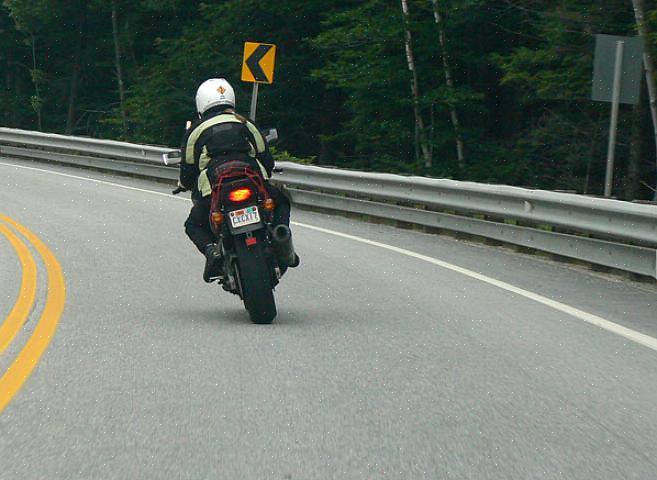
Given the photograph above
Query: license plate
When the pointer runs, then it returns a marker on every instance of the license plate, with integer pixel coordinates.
(246, 216)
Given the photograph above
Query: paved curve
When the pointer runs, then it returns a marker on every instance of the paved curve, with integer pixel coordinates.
(378, 366)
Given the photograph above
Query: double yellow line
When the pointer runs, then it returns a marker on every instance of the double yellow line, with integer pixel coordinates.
(28, 358)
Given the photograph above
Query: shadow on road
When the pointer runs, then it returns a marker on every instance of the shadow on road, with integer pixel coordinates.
(235, 316)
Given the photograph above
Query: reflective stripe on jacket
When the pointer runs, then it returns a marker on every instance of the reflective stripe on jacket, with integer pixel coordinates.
(196, 157)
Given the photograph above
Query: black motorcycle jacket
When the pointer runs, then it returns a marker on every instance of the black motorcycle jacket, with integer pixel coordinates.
(220, 135)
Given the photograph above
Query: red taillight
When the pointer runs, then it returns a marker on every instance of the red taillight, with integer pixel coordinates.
(240, 195)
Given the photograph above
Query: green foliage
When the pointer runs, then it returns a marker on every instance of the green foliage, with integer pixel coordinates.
(365, 62)
(30, 15)
(285, 156)
(563, 133)
(559, 64)
(521, 73)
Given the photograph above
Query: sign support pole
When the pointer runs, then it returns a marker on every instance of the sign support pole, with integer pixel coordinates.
(613, 127)
(254, 101)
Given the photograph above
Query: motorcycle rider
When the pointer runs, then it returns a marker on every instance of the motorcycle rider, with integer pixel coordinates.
(219, 135)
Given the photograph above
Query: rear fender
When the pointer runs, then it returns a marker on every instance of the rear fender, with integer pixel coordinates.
(259, 245)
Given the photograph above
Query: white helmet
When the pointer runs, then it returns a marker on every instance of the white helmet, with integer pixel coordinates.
(214, 92)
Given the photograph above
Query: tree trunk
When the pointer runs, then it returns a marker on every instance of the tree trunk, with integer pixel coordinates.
(131, 42)
(639, 14)
(324, 157)
(119, 69)
(591, 159)
(35, 79)
(419, 124)
(75, 73)
(449, 82)
(633, 177)
(7, 87)
(15, 88)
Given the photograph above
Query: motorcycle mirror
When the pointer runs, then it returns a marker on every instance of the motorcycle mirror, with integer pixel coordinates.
(271, 135)
(171, 158)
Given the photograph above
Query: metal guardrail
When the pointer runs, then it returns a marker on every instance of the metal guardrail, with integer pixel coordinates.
(51, 142)
(611, 233)
(603, 217)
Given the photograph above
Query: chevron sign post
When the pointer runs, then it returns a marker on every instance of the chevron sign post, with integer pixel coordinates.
(258, 67)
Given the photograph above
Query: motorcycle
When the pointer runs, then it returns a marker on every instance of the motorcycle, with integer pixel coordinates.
(256, 252)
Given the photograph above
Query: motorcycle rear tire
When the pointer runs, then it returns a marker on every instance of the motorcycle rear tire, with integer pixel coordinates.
(255, 280)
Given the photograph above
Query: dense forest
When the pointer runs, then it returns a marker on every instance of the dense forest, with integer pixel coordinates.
(484, 90)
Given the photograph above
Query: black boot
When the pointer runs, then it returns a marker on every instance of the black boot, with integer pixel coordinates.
(214, 263)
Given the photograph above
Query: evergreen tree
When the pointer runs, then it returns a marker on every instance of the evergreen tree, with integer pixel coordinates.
(502, 92)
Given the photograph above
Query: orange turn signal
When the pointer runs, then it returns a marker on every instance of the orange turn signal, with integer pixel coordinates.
(269, 205)
(217, 217)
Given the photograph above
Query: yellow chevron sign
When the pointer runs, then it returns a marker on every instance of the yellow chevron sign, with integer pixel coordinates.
(258, 63)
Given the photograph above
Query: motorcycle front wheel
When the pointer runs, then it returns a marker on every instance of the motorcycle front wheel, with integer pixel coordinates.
(255, 281)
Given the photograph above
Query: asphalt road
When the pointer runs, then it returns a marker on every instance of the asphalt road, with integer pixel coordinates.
(379, 365)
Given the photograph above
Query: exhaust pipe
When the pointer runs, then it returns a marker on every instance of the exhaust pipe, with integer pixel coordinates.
(283, 247)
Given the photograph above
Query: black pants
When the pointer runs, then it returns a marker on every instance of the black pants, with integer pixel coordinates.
(198, 227)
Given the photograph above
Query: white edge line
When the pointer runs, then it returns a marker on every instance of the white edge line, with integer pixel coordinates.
(168, 195)
(625, 332)
(628, 333)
